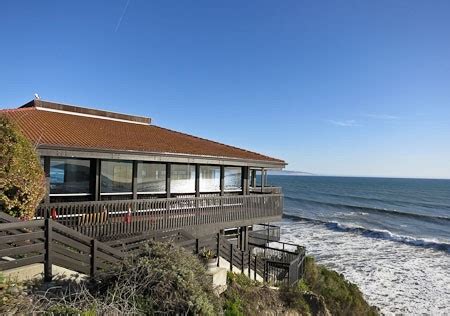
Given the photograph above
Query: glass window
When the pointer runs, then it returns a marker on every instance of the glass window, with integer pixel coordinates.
(116, 176)
(233, 178)
(182, 178)
(68, 176)
(151, 177)
(209, 179)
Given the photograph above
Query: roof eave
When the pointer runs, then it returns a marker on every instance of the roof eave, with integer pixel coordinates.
(100, 153)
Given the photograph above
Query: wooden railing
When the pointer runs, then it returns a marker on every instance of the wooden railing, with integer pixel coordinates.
(112, 218)
(48, 242)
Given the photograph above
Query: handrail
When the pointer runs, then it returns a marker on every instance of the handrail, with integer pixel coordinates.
(115, 218)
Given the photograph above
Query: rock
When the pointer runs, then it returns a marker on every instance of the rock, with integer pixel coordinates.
(14, 290)
(317, 304)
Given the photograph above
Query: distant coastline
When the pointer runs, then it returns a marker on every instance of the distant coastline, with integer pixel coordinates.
(290, 173)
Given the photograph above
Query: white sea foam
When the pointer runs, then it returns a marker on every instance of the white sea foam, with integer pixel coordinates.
(399, 278)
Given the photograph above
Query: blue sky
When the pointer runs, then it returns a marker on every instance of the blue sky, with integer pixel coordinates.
(332, 87)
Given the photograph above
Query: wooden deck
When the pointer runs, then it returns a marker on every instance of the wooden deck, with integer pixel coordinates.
(206, 214)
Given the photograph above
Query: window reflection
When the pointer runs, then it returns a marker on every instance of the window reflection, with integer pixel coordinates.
(68, 176)
(151, 177)
(182, 178)
(233, 179)
(209, 179)
(116, 176)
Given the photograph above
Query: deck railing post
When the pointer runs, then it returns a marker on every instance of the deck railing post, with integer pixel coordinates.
(218, 249)
(265, 271)
(254, 271)
(231, 257)
(196, 247)
(249, 263)
(242, 262)
(48, 258)
(93, 257)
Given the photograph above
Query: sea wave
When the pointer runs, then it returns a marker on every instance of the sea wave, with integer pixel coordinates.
(432, 218)
(375, 233)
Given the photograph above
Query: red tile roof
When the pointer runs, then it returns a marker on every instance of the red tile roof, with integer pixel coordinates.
(68, 130)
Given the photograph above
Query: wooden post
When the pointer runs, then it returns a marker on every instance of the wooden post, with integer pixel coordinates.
(249, 263)
(231, 257)
(93, 257)
(222, 180)
(97, 175)
(265, 271)
(262, 180)
(218, 249)
(245, 182)
(197, 180)
(254, 271)
(48, 251)
(196, 246)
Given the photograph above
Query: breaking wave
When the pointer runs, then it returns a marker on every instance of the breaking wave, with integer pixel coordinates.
(430, 218)
(375, 233)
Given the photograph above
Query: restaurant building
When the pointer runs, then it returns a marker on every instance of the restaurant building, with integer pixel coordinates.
(107, 172)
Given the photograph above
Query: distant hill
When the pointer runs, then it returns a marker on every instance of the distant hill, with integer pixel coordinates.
(289, 173)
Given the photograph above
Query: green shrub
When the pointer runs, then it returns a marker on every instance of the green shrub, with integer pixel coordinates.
(163, 279)
(22, 180)
(341, 296)
(293, 297)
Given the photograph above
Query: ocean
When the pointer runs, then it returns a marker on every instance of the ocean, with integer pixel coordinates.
(389, 236)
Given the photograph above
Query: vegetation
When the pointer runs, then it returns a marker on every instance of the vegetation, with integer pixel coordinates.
(247, 297)
(322, 292)
(167, 280)
(22, 180)
(163, 280)
(341, 297)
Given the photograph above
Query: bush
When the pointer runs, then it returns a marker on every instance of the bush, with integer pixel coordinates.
(164, 279)
(341, 296)
(293, 297)
(22, 180)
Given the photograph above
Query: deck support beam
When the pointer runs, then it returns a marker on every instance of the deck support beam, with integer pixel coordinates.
(245, 183)
(263, 179)
(134, 181)
(168, 175)
(197, 180)
(222, 180)
(96, 183)
(47, 179)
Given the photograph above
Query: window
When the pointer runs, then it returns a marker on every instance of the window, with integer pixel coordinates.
(151, 177)
(182, 178)
(69, 176)
(209, 179)
(233, 179)
(116, 176)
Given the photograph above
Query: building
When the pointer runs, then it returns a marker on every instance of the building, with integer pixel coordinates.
(110, 174)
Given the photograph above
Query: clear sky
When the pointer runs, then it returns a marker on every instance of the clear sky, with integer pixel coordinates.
(332, 87)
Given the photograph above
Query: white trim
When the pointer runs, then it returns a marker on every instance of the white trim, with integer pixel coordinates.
(117, 193)
(89, 115)
(162, 192)
(69, 194)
